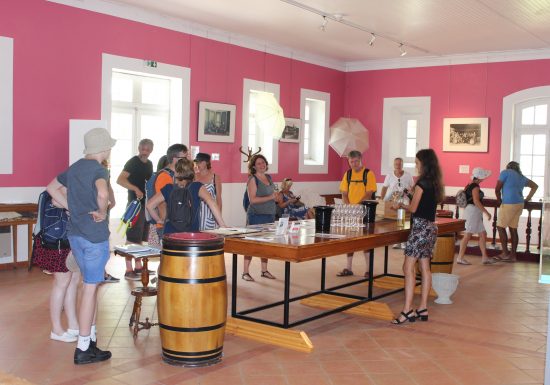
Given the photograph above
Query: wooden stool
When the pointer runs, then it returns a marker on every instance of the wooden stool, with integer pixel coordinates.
(139, 293)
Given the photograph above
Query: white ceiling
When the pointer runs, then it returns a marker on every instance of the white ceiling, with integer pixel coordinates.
(438, 27)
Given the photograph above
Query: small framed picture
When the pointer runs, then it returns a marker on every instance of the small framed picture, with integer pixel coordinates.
(216, 122)
(291, 133)
(466, 134)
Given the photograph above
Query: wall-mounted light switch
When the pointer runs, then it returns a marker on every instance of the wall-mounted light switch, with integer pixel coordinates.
(464, 169)
(215, 156)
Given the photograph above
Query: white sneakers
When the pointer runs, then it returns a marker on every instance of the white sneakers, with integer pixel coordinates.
(67, 336)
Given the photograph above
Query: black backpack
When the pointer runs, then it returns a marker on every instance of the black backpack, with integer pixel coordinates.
(365, 173)
(180, 209)
(52, 224)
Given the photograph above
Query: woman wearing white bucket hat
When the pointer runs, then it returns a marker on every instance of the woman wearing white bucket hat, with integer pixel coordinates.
(473, 214)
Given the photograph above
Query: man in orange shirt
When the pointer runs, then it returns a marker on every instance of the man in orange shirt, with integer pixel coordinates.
(174, 153)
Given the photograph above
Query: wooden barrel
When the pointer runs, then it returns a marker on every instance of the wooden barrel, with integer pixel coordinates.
(192, 299)
(444, 252)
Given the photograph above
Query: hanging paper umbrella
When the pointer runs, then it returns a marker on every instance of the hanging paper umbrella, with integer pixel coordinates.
(130, 215)
(269, 114)
(348, 134)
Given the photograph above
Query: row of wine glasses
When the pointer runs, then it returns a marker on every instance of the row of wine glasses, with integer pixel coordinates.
(347, 215)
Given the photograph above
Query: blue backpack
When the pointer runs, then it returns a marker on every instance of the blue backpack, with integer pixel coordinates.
(150, 190)
(52, 224)
(246, 200)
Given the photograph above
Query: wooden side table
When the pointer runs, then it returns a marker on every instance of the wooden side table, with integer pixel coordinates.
(29, 211)
(140, 292)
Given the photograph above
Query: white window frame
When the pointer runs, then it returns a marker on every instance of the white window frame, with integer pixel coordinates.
(396, 113)
(6, 105)
(180, 91)
(405, 119)
(307, 166)
(255, 85)
(508, 111)
(532, 130)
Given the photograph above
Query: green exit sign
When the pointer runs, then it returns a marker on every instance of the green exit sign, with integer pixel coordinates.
(150, 63)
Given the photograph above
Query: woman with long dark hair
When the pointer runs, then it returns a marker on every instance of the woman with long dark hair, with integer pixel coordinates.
(428, 192)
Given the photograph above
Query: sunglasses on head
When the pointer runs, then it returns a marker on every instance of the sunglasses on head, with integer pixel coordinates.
(180, 178)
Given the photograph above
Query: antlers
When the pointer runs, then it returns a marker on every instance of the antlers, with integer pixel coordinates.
(249, 154)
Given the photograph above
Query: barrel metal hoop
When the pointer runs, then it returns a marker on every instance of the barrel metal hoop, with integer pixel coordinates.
(192, 280)
(188, 354)
(192, 253)
(192, 330)
(442, 263)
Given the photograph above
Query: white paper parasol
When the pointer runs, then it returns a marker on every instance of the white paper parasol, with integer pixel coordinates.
(269, 114)
(348, 134)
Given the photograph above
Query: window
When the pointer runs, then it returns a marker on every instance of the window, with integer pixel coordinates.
(6, 105)
(142, 102)
(406, 130)
(140, 109)
(254, 137)
(411, 143)
(531, 143)
(315, 109)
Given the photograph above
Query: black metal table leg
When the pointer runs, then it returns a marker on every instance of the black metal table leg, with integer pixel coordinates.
(286, 304)
(371, 273)
(385, 260)
(234, 286)
(323, 273)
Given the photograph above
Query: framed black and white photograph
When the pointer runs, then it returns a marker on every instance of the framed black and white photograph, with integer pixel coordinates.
(216, 122)
(466, 134)
(291, 133)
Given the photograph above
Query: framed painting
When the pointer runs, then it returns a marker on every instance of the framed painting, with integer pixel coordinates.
(466, 134)
(291, 132)
(216, 122)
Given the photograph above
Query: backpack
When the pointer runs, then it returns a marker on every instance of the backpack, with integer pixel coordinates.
(461, 199)
(365, 173)
(179, 210)
(150, 191)
(51, 225)
(246, 200)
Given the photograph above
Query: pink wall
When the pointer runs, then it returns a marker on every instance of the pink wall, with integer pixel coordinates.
(57, 77)
(474, 90)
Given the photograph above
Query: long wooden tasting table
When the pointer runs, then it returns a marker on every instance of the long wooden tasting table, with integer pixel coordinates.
(303, 247)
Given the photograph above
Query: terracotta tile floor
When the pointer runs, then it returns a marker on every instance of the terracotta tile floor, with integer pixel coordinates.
(494, 333)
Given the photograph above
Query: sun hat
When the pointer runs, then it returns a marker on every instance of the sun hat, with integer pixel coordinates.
(202, 156)
(97, 140)
(480, 173)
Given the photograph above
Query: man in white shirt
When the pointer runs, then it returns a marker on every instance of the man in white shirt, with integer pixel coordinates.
(399, 180)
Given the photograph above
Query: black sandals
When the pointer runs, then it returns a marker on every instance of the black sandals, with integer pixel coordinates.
(419, 314)
(409, 316)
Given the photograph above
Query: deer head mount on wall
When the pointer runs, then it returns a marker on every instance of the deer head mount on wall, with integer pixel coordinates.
(249, 154)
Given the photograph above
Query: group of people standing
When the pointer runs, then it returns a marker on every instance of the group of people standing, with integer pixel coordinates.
(423, 196)
(84, 190)
(509, 194)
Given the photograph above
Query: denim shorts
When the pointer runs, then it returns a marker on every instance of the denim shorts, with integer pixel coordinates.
(90, 257)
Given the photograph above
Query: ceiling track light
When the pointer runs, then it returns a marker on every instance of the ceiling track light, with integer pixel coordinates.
(372, 39)
(340, 18)
(323, 27)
